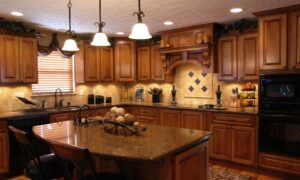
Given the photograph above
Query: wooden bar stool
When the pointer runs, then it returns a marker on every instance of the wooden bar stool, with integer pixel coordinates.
(82, 161)
(38, 167)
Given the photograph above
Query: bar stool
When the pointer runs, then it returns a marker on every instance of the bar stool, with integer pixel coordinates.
(38, 167)
(82, 161)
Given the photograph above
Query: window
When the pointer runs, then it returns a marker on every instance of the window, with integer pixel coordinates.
(54, 72)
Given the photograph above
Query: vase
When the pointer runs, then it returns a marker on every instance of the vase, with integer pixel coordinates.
(155, 98)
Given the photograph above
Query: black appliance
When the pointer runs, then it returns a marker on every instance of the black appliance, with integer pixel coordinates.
(108, 100)
(279, 130)
(25, 123)
(91, 99)
(99, 99)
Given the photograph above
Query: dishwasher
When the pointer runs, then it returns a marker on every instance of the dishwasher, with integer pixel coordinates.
(17, 161)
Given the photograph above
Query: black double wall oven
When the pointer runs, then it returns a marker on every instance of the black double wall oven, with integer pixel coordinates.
(279, 131)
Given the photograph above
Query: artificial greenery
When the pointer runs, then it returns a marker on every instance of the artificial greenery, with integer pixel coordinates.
(11, 26)
(237, 26)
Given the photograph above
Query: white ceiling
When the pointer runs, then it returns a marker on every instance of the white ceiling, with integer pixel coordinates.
(52, 14)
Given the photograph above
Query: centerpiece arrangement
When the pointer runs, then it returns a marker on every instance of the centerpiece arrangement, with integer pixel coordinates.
(155, 92)
(120, 123)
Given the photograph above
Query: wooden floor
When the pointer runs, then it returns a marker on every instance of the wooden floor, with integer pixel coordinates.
(255, 174)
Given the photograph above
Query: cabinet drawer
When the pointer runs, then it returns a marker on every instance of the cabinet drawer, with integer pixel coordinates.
(3, 126)
(146, 119)
(234, 119)
(279, 163)
(60, 117)
(146, 111)
(101, 112)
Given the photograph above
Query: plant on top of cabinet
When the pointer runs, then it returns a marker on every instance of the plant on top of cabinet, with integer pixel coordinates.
(18, 59)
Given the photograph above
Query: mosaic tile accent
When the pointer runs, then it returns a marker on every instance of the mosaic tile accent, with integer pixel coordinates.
(204, 88)
(191, 88)
(197, 81)
(191, 74)
(204, 74)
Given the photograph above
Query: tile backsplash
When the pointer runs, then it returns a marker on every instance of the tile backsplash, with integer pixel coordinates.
(204, 86)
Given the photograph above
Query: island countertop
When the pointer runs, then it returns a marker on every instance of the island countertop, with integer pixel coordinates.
(155, 143)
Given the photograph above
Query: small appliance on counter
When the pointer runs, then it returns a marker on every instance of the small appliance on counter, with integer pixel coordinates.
(91, 99)
(108, 100)
(99, 99)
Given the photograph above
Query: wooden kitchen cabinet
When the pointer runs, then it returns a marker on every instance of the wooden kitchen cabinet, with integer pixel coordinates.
(227, 58)
(101, 112)
(234, 138)
(248, 57)
(169, 117)
(238, 57)
(243, 145)
(125, 60)
(9, 55)
(106, 64)
(91, 63)
(147, 115)
(149, 64)
(220, 146)
(4, 153)
(144, 63)
(273, 41)
(18, 59)
(193, 120)
(54, 118)
(294, 39)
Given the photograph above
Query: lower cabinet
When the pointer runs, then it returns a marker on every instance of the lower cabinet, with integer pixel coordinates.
(100, 112)
(146, 115)
(61, 117)
(231, 141)
(4, 153)
(169, 117)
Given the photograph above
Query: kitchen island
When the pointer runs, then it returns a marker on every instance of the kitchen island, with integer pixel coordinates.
(159, 153)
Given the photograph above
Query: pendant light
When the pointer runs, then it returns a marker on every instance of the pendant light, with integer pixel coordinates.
(100, 38)
(70, 44)
(140, 30)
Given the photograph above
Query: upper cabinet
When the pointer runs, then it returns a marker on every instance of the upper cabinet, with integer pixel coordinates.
(279, 33)
(273, 42)
(94, 64)
(149, 64)
(238, 57)
(18, 59)
(294, 40)
(125, 60)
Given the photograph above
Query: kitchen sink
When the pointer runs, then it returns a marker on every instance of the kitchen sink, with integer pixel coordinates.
(68, 108)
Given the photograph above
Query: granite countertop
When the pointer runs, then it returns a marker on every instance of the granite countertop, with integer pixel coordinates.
(5, 115)
(155, 143)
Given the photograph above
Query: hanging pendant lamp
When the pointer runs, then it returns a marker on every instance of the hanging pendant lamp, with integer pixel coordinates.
(140, 30)
(100, 38)
(70, 44)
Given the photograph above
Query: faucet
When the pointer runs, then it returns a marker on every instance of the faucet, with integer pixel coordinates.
(60, 104)
(80, 115)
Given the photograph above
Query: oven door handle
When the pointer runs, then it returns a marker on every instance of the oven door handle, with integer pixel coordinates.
(279, 116)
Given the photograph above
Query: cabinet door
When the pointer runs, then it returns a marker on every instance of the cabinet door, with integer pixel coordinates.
(3, 152)
(227, 58)
(61, 117)
(106, 64)
(248, 57)
(101, 112)
(9, 57)
(294, 57)
(91, 64)
(157, 70)
(125, 60)
(144, 65)
(170, 118)
(273, 42)
(243, 145)
(28, 60)
(193, 120)
(220, 143)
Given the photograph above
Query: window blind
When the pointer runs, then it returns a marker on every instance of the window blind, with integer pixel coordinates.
(54, 72)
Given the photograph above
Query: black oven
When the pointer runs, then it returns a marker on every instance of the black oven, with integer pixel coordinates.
(279, 103)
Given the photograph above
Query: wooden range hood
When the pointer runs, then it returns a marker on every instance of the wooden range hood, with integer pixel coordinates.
(192, 45)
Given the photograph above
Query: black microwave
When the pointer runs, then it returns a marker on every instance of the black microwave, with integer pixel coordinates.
(280, 88)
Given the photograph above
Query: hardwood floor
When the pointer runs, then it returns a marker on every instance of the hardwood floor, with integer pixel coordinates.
(254, 173)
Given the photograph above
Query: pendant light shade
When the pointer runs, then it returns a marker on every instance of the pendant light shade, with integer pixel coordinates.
(70, 44)
(100, 38)
(140, 30)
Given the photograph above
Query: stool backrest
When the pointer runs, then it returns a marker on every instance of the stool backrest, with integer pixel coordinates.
(79, 157)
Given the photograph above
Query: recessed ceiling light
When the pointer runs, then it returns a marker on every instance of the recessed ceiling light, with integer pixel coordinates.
(16, 13)
(120, 33)
(236, 10)
(168, 23)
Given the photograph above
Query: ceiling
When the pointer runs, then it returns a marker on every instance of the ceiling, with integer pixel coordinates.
(117, 14)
